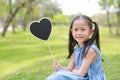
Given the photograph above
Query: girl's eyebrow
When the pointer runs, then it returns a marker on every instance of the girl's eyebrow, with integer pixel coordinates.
(75, 26)
(79, 27)
(82, 27)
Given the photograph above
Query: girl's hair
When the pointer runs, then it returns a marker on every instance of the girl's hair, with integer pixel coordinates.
(94, 38)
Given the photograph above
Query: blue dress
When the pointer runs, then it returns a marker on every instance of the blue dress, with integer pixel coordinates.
(95, 71)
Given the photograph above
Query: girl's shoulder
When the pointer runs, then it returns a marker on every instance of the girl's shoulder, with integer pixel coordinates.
(96, 49)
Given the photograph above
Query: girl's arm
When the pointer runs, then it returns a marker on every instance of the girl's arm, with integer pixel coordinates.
(70, 67)
(89, 58)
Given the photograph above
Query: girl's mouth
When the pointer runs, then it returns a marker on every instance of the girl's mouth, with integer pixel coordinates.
(79, 37)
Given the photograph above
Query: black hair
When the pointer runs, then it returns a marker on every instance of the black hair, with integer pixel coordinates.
(94, 38)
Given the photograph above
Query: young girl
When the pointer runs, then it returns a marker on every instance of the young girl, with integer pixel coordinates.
(84, 52)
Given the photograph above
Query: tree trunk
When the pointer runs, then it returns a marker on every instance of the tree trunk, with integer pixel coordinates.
(13, 27)
(108, 22)
(27, 17)
(10, 18)
(118, 27)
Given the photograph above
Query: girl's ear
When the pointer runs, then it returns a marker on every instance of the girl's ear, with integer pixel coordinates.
(91, 33)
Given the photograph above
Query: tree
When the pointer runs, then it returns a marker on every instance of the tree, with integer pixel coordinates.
(27, 16)
(3, 11)
(106, 5)
(29, 10)
(117, 6)
(49, 8)
(12, 15)
(59, 19)
(10, 11)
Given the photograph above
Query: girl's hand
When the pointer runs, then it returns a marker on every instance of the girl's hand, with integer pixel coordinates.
(75, 71)
(56, 65)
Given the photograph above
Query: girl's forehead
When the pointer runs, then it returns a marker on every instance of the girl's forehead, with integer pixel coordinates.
(80, 22)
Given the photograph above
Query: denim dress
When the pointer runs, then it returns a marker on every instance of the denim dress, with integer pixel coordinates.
(95, 71)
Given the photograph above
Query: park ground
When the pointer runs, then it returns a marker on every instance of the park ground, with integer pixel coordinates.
(24, 57)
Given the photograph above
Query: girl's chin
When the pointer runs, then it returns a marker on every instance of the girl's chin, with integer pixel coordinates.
(80, 43)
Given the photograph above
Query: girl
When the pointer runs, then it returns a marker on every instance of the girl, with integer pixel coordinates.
(84, 51)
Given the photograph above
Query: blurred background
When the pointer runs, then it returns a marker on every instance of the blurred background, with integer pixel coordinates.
(17, 14)
(23, 57)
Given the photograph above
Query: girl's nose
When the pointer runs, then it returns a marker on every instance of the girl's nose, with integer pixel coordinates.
(79, 32)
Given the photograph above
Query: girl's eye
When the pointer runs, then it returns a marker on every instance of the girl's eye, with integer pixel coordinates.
(75, 29)
(82, 29)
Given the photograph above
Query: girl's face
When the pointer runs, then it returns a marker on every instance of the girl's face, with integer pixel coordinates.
(81, 31)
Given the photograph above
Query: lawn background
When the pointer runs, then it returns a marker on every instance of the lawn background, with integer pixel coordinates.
(24, 57)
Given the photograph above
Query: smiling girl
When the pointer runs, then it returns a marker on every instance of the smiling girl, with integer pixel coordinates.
(84, 53)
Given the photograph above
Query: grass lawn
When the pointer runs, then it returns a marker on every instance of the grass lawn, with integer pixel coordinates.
(24, 57)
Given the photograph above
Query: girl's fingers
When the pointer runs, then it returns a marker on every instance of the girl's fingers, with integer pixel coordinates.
(56, 65)
(54, 62)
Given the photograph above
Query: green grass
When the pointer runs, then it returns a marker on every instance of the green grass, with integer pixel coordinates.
(24, 57)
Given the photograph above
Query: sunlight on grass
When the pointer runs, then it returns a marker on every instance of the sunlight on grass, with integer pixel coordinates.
(25, 57)
(13, 67)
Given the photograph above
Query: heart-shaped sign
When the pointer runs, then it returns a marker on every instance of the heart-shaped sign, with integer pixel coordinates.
(41, 29)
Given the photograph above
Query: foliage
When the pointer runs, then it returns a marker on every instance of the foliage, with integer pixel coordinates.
(49, 8)
(3, 11)
(101, 19)
(24, 11)
(59, 19)
(106, 4)
(24, 57)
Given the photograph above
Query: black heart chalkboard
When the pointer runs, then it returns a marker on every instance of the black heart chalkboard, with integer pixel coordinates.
(41, 29)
